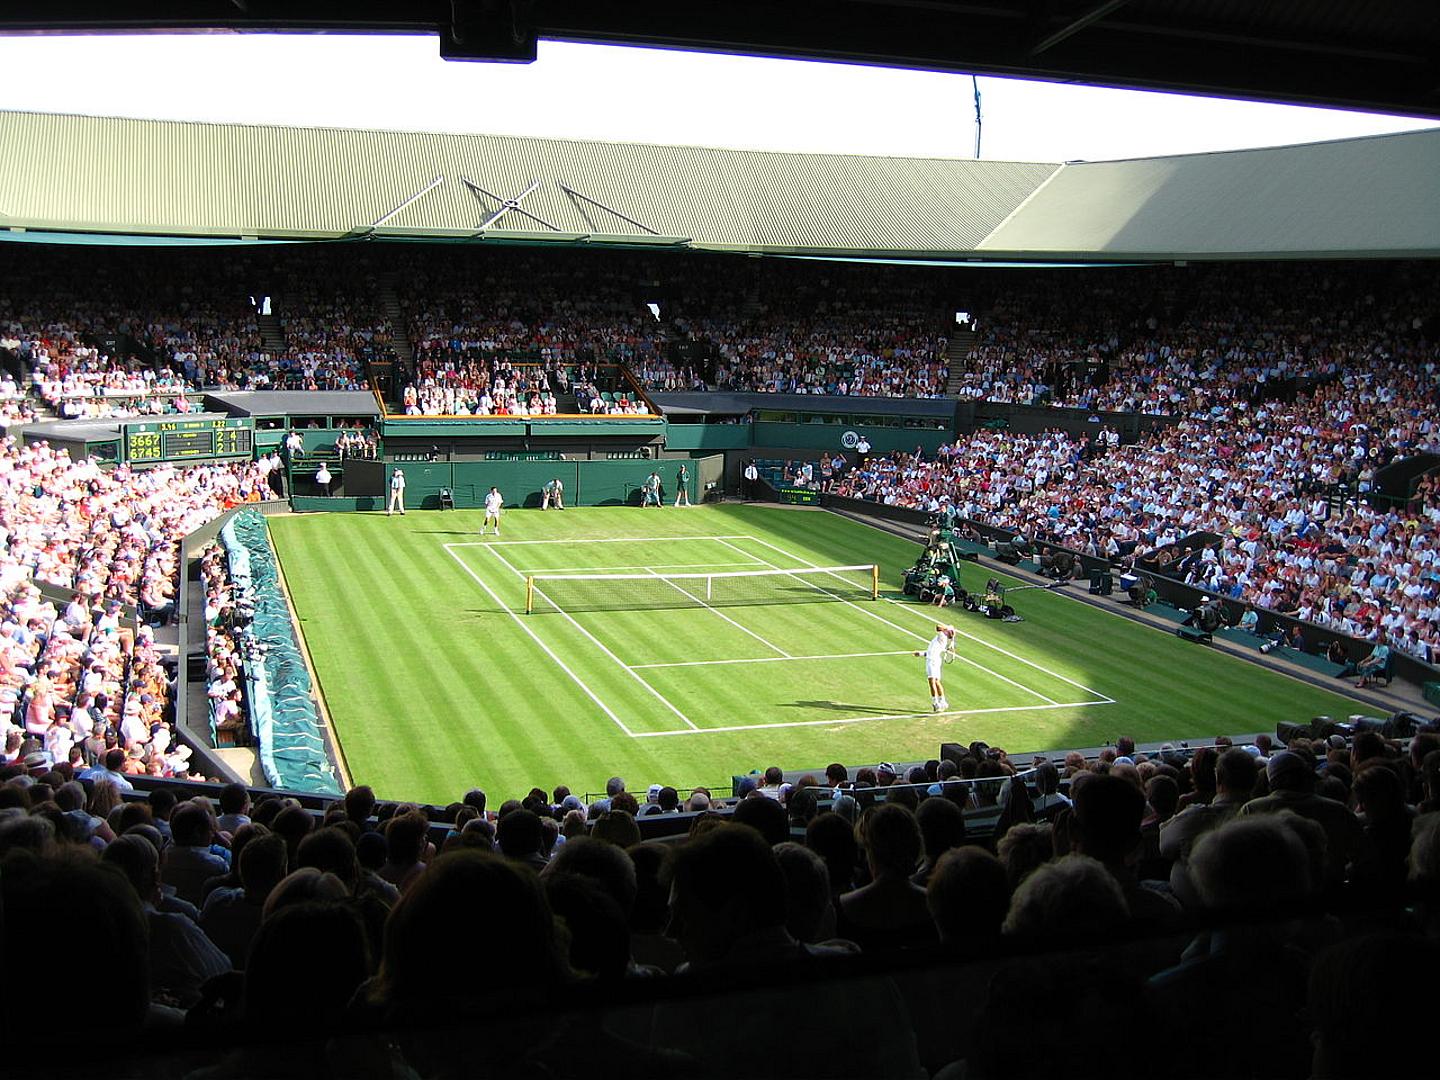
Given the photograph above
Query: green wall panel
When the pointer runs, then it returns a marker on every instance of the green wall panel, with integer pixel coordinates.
(587, 483)
(593, 428)
(448, 429)
(707, 436)
(827, 436)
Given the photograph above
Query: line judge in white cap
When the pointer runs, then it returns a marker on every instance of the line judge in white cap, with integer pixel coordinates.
(397, 492)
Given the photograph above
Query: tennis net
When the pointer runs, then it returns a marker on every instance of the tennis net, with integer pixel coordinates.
(632, 591)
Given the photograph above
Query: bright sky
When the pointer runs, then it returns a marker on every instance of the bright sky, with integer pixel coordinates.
(635, 95)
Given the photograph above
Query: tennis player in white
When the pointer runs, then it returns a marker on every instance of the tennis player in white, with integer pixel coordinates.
(493, 501)
(940, 646)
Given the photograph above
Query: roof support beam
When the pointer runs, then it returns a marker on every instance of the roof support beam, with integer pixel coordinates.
(1075, 25)
(608, 209)
(383, 218)
(506, 205)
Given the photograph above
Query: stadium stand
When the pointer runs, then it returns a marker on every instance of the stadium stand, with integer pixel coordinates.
(84, 670)
(1191, 341)
(776, 329)
(1300, 850)
(1150, 877)
(1283, 483)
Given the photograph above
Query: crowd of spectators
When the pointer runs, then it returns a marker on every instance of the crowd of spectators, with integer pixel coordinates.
(778, 328)
(590, 398)
(584, 308)
(78, 381)
(332, 316)
(852, 353)
(1189, 341)
(519, 335)
(110, 534)
(667, 377)
(979, 476)
(1283, 483)
(358, 442)
(128, 333)
(772, 329)
(1167, 341)
(1202, 887)
(15, 404)
(497, 387)
(112, 539)
(77, 683)
(484, 387)
(131, 333)
(228, 648)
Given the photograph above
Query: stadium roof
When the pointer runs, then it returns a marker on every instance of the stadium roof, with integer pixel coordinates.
(141, 176)
(1378, 195)
(1379, 55)
(1357, 197)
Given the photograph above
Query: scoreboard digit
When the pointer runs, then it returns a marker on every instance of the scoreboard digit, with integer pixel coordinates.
(142, 445)
(233, 441)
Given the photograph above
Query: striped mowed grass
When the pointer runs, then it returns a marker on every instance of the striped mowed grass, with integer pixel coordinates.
(436, 680)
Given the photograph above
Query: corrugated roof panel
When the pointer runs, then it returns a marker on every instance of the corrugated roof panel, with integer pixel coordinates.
(1376, 195)
(1363, 196)
(164, 176)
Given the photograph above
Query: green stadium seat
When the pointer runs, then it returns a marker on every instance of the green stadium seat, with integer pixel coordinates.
(1243, 637)
(1310, 660)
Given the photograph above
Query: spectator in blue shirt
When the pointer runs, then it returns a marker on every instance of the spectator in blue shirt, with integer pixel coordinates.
(1375, 662)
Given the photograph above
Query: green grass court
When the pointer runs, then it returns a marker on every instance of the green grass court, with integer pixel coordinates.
(436, 680)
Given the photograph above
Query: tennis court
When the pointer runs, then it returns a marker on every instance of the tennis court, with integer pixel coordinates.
(435, 679)
(682, 618)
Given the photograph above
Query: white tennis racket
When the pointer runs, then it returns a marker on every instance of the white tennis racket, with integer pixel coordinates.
(948, 656)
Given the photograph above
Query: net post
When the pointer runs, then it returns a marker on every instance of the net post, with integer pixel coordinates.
(874, 581)
(529, 593)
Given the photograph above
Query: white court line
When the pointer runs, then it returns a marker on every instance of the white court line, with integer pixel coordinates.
(887, 622)
(598, 644)
(594, 540)
(863, 719)
(727, 618)
(1104, 699)
(699, 567)
(774, 659)
(506, 608)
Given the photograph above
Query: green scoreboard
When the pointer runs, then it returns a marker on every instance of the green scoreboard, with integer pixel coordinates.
(799, 496)
(189, 440)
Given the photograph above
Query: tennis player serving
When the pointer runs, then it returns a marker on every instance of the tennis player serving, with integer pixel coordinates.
(939, 652)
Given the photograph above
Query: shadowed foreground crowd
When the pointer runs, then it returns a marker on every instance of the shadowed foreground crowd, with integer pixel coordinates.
(1273, 908)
